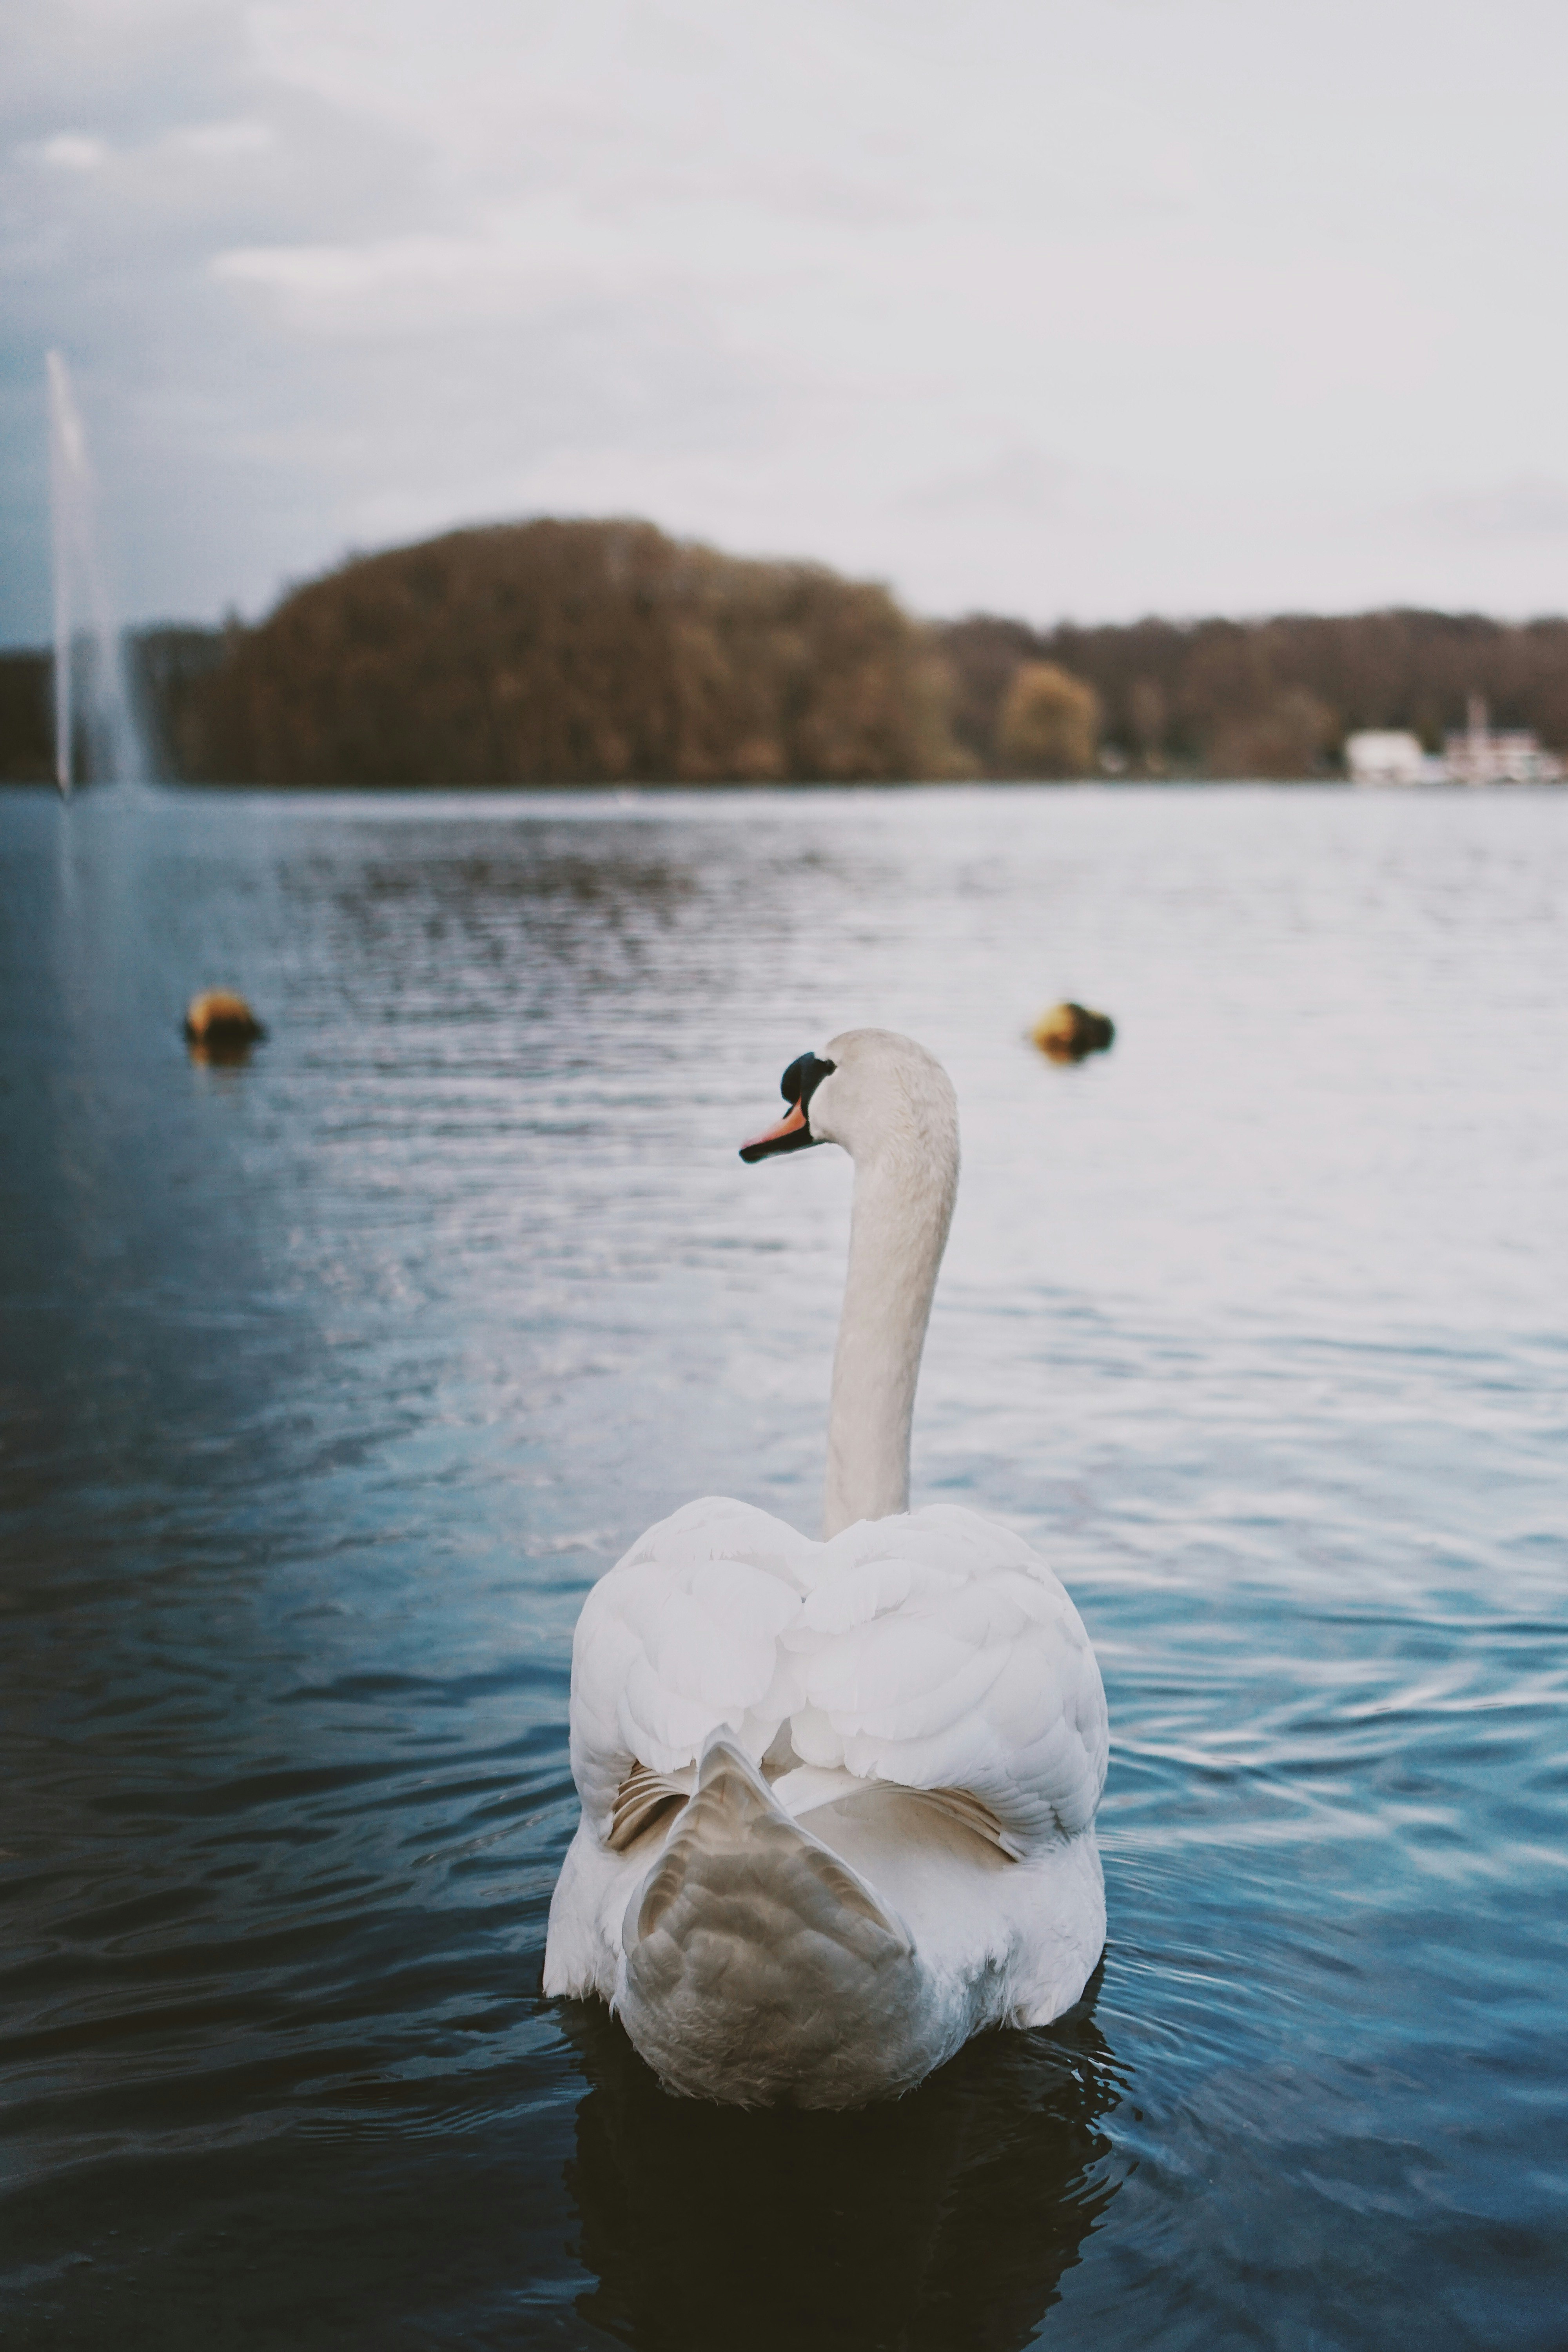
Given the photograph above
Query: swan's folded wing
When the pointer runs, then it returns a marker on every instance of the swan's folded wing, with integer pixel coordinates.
(963, 1675)
(680, 1637)
(717, 1528)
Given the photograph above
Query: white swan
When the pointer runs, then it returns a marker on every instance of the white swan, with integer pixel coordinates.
(838, 1798)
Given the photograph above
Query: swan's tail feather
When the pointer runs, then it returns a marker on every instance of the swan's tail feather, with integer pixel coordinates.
(760, 1967)
(970, 1813)
(644, 1798)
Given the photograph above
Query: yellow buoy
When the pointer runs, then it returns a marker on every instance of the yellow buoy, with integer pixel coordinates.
(1067, 1031)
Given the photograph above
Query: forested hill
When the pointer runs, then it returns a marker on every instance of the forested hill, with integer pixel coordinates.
(570, 653)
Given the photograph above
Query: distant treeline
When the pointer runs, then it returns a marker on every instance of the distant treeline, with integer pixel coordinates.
(1271, 697)
(575, 653)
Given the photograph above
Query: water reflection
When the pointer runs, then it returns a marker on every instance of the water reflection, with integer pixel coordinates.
(530, 893)
(948, 2217)
(219, 1053)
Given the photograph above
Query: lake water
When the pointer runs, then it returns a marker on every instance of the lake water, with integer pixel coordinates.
(330, 1383)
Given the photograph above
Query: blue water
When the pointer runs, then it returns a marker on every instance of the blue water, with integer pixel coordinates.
(331, 1382)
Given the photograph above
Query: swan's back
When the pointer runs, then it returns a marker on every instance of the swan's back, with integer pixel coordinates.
(905, 1724)
(933, 1650)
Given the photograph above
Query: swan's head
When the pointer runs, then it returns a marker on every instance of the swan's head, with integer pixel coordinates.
(870, 1089)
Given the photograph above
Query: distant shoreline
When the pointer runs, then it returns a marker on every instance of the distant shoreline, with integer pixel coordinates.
(628, 796)
(556, 655)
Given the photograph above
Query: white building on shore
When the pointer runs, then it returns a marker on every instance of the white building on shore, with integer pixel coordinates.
(1476, 753)
(1382, 755)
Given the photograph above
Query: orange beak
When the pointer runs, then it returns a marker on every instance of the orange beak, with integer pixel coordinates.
(773, 1138)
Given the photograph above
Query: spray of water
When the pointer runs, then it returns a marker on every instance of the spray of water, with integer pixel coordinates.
(94, 717)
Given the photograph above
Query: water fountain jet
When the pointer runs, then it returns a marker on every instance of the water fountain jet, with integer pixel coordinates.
(88, 660)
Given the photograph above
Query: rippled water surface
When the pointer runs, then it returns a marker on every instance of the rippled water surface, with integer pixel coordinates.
(330, 1383)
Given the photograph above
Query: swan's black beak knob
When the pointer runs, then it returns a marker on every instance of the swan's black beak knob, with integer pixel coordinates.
(792, 1133)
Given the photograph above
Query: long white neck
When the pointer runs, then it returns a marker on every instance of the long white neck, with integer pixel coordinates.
(904, 1192)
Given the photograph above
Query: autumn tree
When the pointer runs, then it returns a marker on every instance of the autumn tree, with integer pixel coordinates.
(1050, 722)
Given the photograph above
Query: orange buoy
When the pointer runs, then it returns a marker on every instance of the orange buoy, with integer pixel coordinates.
(220, 1026)
(1067, 1031)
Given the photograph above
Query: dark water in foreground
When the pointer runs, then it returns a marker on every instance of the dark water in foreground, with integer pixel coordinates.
(330, 1383)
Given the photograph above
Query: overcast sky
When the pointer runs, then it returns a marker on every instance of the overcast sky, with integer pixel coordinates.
(1053, 306)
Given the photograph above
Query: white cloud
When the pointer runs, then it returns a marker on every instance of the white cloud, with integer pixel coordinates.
(72, 151)
(220, 142)
(317, 278)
